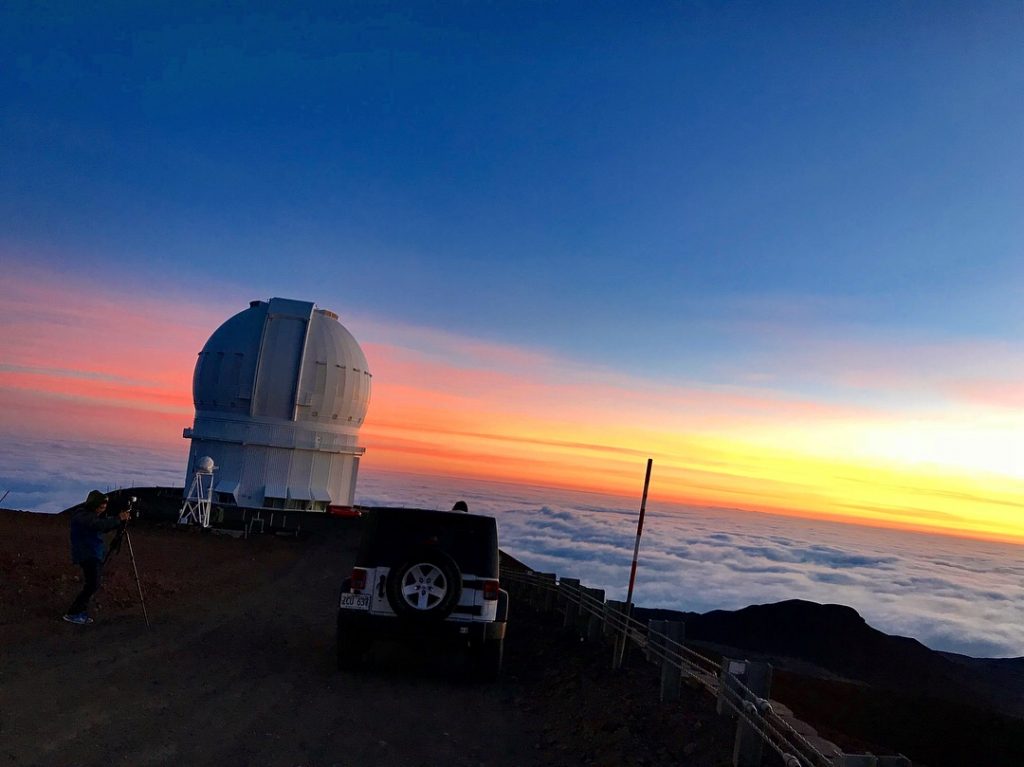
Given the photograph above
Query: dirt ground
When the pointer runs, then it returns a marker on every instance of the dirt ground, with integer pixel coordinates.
(238, 669)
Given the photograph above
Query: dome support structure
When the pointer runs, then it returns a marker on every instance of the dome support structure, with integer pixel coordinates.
(199, 500)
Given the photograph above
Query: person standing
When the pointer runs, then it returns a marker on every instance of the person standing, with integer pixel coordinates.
(88, 549)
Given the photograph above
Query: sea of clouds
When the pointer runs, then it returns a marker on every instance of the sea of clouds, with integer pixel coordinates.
(50, 475)
(951, 594)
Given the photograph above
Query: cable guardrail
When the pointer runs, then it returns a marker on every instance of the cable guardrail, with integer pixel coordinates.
(598, 607)
(776, 732)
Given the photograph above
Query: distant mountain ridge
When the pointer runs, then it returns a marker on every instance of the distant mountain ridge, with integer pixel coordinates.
(835, 638)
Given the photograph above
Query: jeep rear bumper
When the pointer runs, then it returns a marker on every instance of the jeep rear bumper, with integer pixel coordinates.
(388, 627)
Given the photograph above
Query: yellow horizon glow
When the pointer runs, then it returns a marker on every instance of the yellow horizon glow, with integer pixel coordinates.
(719, 474)
(689, 469)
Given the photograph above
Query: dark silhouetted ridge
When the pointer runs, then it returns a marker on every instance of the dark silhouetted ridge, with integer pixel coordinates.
(838, 640)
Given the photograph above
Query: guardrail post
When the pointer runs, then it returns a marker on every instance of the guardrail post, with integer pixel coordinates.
(655, 640)
(612, 610)
(531, 589)
(616, 625)
(595, 612)
(583, 618)
(671, 674)
(546, 591)
(524, 586)
(748, 747)
(569, 595)
(729, 673)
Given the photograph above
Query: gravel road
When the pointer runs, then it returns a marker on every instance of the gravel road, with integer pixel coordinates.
(246, 679)
(245, 676)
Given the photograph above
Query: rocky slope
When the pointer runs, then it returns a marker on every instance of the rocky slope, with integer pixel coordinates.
(868, 690)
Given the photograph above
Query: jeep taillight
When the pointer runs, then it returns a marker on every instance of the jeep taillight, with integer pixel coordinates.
(358, 579)
(491, 589)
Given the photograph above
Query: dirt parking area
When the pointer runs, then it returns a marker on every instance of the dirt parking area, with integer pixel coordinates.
(238, 669)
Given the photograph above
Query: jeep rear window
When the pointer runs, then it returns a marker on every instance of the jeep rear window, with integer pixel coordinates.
(390, 534)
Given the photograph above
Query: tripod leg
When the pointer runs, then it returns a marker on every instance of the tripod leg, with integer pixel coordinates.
(142, 599)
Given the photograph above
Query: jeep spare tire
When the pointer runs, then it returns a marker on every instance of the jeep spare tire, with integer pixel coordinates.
(424, 586)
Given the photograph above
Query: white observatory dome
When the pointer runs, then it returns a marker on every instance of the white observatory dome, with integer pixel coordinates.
(280, 392)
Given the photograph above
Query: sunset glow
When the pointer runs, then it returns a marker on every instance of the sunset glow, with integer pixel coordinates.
(446, 405)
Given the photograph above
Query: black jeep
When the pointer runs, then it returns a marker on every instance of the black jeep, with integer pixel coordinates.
(425, 575)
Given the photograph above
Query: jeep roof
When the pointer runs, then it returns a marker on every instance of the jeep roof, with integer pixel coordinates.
(470, 539)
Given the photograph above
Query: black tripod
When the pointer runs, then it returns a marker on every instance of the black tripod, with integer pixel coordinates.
(115, 546)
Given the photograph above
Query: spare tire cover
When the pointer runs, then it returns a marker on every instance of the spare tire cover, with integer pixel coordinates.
(426, 585)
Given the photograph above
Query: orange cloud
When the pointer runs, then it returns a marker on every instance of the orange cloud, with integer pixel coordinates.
(43, 415)
(80, 360)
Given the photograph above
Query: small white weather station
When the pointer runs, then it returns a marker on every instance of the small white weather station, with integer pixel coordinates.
(199, 499)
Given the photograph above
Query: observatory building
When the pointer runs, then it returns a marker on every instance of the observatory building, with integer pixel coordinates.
(280, 391)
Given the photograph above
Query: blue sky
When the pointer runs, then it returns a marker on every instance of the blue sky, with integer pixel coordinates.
(569, 175)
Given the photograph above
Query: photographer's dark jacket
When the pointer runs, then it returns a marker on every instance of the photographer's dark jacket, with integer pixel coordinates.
(87, 534)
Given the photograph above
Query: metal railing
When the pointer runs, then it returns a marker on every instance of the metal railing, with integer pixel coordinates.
(590, 612)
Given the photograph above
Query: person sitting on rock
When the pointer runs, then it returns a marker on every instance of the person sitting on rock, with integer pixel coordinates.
(460, 506)
(88, 549)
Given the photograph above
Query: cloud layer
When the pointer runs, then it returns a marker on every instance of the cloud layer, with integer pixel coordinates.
(49, 475)
(951, 594)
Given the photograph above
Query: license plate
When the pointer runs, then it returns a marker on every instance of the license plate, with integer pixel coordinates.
(355, 602)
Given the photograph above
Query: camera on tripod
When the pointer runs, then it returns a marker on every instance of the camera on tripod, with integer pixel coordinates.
(127, 503)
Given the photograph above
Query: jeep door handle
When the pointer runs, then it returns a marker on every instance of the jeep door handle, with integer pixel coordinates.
(380, 587)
